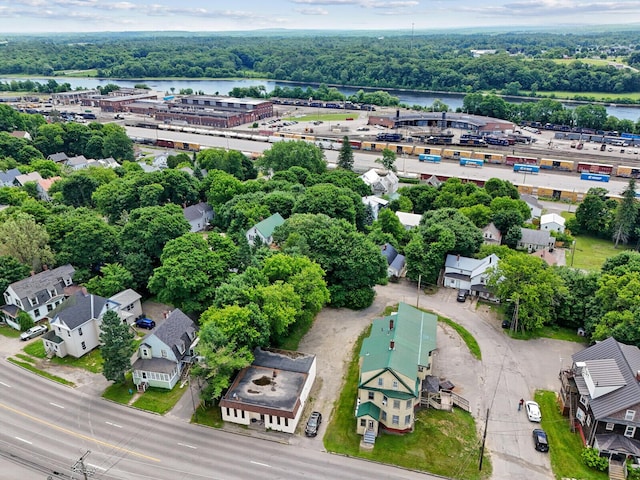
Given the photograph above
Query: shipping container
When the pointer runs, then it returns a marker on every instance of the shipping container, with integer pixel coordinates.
(417, 150)
(471, 162)
(496, 158)
(455, 154)
(423, 157)
(594, 177)
(520, 167)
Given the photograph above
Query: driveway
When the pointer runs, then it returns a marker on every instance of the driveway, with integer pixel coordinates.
(510, 369)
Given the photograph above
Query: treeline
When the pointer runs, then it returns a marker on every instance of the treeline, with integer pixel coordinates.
(524, 62)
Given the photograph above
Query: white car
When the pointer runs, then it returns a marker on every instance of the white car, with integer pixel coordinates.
(533, 411)
(33, 332)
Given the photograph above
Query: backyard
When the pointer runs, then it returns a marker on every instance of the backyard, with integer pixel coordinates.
(589, 253)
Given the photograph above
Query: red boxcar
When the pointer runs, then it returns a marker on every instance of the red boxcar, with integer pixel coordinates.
(591, 167)
(513, 159)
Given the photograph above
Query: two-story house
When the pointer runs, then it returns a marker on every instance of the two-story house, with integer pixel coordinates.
(262, 233)
(601, 395)
(552, 222)
(394, 361)
(37, 295)
(469, 273)
(199, 216)
(381, 182)
(75, 325)
(164, 354)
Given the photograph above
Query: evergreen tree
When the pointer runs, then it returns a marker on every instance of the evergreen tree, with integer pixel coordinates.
(345, 157)
(117, 347)
(626, 215)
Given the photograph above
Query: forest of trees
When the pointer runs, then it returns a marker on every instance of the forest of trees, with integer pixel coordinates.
(523, 62)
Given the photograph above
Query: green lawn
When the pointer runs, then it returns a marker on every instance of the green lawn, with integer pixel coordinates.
(91, 362)
(35, 370)
(210, 416)
(564, 447)
(7, 331)
(442, 443)
(159, 400)
(119, 392)
(590, 252)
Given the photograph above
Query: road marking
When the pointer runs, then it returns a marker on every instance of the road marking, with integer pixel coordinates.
(56, 405)
(2, 383)
(113, 424)
(261, 464)
(23, 440)
(77, 435)
(188, 446)
(95, 466)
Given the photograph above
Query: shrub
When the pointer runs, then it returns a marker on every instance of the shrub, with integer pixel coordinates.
(592, 459)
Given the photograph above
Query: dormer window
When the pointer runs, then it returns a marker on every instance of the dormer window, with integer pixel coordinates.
(180, 346)
(380, 381)
(630, 415)
(67, 281)
(53, 293)
(33, 301)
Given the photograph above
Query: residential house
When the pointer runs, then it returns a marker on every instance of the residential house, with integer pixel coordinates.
(376, 204)
(395, 261)
(21, 134)
(129, 305)
(491, 235)
(535, 207)
(22, 180)
(552, 222)
(164, 354)
(59, 157)
(38, 295)
(381, 182)
(600, 393)
(43, 187)
(77, 163)
(199, 216)
(533, 240)
(272, 392)
(7, 179)
(394, 361)
(409, 220)
(262, 232)
(469, 274)
(75, 324)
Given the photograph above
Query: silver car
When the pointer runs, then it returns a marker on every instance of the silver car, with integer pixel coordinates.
(33, 332)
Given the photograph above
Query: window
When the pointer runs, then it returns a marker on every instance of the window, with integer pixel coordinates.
(36, 312)
(68, 333)
(580, 415)
(588, 420)
(384, 400)
(630, 432)
(584, 400)
(409, 404)
(407, 420)
(395, 384)
(609, 426)
(49, 307)
(380, 382)
(395, 420)
(384, 416)
(363, 422)
(163, 353)
(371, 396)
(630, 415)
(80, 331)
(83, 345)
(19, 303)
(396, 404)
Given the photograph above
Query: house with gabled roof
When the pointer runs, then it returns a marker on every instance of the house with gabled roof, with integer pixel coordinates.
(533, 240)
(199, 216)
(7, 179)
(601, 395)
(38, 295)
(271, 392)
(381, 182)
(394, 361)
(469, 274)
(395, 261)
(535, 207)
(164, 354)
(58, 157)
(22, 180)
(491, 235)
(552, 222)
(43, 187)
(262, 232)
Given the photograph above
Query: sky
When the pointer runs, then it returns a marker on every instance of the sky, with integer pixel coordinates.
(68, 16)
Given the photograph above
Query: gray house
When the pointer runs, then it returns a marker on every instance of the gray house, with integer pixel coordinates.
(533, 240)
(199, 216)
(395, 261)
(164, 354)
(8, 178)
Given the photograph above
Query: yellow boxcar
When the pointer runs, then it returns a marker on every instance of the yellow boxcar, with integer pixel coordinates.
(554, 164)
(488, 157)
(569, 195)
(418, 149)
(400, 149)
(627, 171)
(455, 154)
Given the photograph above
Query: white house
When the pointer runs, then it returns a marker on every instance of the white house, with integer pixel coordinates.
(262, 232)
(491, 235)
(37, 295)
(535, 207)
(381, 182)
(376, 204)
(199, 216)
(272, 392)
(409, 220)
(129, 305)
(552, 222)
(533, 240)
(75, 325)
(164, 354)
(469, 273)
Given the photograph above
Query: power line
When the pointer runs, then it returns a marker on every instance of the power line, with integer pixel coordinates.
(79, 467)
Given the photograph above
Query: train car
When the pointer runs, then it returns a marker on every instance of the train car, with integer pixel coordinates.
(400, 149)
(594, 177)
(165, 143)
(511, 160)
(419, 149)
(189, 146)
(488, 157)
(552, 164)
(425, 157)
(626, 171)
(451, 154)
(471, 162)
(590, 167)
(355, 144)
(374, 146)
(521, 167)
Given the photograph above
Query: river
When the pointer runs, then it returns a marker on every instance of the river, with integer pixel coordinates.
(223, 87)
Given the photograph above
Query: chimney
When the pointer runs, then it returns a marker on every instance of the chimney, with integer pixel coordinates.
(391, 324)
(275, 374)
(392, 345)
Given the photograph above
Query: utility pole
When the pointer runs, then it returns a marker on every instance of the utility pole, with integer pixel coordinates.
(514, 320)
(80, 467)
(418, 295)
(484, 438)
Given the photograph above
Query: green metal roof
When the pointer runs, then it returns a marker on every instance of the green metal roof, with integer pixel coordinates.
(414, 338)
(268, 225)
(370, 409)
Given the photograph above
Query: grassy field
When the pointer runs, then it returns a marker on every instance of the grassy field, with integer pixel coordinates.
(157, 400)
(7, 331)
(442, 443)
(564, 446)
(590, 252)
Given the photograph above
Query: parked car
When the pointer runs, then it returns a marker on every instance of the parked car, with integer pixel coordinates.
(145, 323)
(33, 332)
(533, 411)
(462, 295)
(506, 324)
(540, 440)
(313, 424)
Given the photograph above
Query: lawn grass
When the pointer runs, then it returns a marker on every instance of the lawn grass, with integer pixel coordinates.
(33, 369)
(26, 358)
(119, 392)
(91, 361)
(210, 416)
(466, 336)
(7, 331)
(442, 443)
(160, 400)
(325, 117)
(36, 349)
(590, 252)
(564, 447)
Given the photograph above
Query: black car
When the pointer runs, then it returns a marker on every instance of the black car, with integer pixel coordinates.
(462, 295)
(313, 424)
(145, 323)
(540, 440)
(506, 324)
